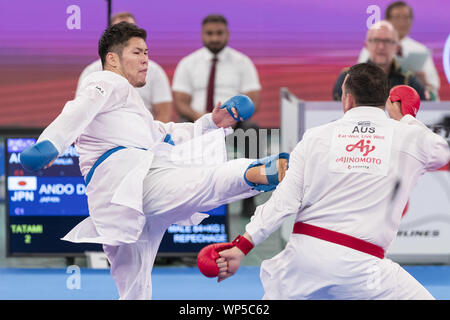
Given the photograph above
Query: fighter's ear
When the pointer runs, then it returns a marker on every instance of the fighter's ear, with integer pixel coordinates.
(348, 101)
(112, 59)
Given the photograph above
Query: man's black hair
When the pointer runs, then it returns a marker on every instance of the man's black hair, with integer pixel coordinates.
(368, 84)
(116, 37)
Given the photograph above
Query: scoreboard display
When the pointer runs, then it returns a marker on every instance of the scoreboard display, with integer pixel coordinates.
(41, 207)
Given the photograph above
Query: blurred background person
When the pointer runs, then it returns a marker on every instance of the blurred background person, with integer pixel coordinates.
(156, 93)
(212, 74)
(382, 44)
(400, 15)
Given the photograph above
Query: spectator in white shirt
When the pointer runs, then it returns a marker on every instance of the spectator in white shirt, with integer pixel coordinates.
(235, 73)
(232, 73)
(400, 15)
(156, 93)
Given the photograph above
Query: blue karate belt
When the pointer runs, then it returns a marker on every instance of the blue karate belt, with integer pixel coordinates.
(102, 158)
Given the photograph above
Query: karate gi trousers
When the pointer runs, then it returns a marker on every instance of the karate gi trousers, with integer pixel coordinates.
(171, 194)
(311, 268)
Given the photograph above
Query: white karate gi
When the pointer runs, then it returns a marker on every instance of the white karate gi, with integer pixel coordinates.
(335, 183)
(156, 89)
(135, 194)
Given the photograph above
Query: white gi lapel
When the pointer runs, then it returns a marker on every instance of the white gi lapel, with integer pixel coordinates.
(130, 191)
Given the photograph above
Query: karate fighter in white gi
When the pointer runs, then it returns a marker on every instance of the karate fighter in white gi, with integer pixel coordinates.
(348, 182)
(144, 175)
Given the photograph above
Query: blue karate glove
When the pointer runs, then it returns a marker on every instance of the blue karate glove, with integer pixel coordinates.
(37, 156)
(243, 105)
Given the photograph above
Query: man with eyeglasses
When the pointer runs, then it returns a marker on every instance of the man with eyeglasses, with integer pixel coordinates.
(400, 14)
(382, 43)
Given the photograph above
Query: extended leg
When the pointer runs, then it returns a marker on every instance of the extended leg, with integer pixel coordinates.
(198, 189)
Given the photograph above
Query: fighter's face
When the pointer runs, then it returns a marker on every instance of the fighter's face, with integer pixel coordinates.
(215, 36)
(133, 62)
(382, 45)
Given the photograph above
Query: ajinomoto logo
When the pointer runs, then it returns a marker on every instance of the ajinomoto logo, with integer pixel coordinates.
(22, 183)
(365, 148)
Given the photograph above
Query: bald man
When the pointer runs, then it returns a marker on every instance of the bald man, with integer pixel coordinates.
(382, 43)
(400, 14)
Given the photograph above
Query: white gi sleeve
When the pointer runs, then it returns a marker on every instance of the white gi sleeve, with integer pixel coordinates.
(285, 200)
(184, 131)
(433, 149)
(93, 67)
(96, 97)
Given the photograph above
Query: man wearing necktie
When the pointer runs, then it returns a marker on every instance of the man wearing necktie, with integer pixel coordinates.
(213, 74)
(210, 92)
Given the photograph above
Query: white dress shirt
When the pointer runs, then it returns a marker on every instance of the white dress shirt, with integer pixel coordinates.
(342, 176)
(156, 89)
(235, 74)
(410, 45)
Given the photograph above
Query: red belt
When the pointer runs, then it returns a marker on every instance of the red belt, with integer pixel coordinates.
(339, 238)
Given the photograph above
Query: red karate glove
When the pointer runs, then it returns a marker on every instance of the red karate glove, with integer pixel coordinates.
(408, 98)
(206, 258)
